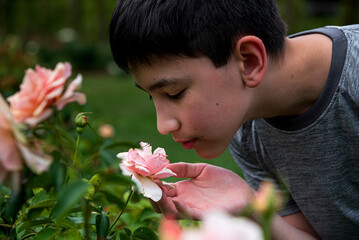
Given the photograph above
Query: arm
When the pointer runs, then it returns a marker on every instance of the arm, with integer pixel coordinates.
(294, 226)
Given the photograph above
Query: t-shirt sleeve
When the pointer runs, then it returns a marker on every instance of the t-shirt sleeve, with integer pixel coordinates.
(244, 152)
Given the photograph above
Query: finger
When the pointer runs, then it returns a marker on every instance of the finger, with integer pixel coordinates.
(168, 209)
(155, 206)
(186, 211)
(187, 170)
(169, 191)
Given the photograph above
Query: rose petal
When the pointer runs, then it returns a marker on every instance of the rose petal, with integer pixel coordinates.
(70, 95)
(37, 162)
(3, 173)
(4, 109)
(156, 162)
(160, 151)
(33, 121)
(135, 157)
(141, 170)
(9, 154)
(122, 155)
(147, 187)
(164, 173)
(146, 147)
(125, 170)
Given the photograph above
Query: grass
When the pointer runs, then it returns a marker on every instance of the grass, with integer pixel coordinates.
(115, 100)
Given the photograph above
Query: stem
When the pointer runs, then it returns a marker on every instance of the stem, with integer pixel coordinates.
(77, 149)
(123, 209)
(266, 225)
(87, 215)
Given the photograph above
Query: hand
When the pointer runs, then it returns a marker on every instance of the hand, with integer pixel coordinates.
(209, 187)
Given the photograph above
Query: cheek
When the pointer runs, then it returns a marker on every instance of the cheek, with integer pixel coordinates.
(202, 117)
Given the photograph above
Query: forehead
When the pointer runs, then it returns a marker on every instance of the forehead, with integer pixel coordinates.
(171, 69)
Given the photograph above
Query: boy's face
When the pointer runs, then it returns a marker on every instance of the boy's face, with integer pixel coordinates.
(200, 105)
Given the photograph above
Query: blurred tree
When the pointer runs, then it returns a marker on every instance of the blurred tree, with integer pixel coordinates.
(350, 13)
(292, 13)
(75, 14)
(80, 27)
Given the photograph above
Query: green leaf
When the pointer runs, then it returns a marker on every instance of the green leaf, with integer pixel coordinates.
(123, 235)
(107, 157)
(47, 233)
(149, 213)
(144, 233)
(72, 234)
(102, 226)
(65, 223)
(14, 203)
(34, 223)
(113, 198)
(43, 204)
(58, 173)
(68, 197)
(26, 236)
(39, 181)
(127, 231)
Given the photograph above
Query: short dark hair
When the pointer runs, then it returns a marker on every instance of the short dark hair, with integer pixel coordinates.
(143, 29)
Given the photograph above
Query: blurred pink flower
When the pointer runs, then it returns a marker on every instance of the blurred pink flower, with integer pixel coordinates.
(106, 131)
(42, 89)
(14, 149)
(266, 198)
(220, 225)
(10, 158)
(169, 230)
(144, 167)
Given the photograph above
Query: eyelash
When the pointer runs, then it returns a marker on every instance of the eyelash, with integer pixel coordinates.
(172, 97)
(176, 96)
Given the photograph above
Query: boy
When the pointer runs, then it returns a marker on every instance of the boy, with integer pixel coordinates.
(222, 73)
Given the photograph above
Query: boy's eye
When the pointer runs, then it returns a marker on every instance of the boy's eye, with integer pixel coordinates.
(176, 96)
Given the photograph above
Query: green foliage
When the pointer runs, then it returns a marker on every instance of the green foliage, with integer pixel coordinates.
(84, 199)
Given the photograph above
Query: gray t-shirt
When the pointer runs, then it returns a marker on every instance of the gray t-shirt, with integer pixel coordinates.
(314, 156)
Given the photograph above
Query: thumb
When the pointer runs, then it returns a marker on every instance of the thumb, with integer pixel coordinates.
(187, 170)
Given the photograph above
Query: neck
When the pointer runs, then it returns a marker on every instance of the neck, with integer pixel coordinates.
(293, 84)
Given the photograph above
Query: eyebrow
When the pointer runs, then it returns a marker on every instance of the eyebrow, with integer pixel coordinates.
(161, 83)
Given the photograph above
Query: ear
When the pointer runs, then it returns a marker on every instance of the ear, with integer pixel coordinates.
(252, 59)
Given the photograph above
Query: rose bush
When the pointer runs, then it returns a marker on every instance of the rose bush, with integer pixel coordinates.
(51, 184)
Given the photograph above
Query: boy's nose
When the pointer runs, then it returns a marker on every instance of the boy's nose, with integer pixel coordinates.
(166, 123)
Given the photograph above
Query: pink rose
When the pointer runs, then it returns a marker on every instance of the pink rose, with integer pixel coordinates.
(42, 89)
(14, 149)
(144, 167)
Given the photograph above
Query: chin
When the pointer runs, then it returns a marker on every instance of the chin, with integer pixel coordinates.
(208, 154)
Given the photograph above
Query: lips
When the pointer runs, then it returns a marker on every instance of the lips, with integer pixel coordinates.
(187, 144)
